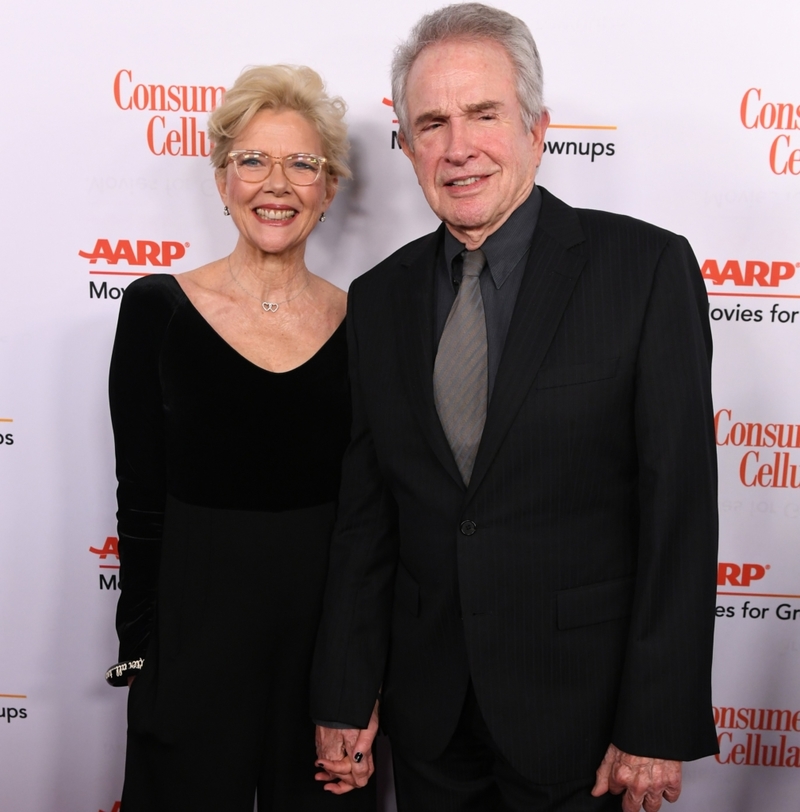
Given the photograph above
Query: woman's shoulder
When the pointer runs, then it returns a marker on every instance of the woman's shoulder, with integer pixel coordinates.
(148, 304)
(158, 294)
(153, 289)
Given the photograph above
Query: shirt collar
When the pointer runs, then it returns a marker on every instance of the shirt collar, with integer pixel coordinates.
(506, 246)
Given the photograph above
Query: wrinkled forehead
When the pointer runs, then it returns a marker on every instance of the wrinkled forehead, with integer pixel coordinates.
(460, 75)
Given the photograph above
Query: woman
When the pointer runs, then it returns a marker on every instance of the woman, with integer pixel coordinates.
(230, 407)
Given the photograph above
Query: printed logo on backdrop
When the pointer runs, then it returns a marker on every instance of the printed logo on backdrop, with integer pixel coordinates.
(6, 436)
(758, 737)
(173, 125)
(116, 808)
(11, 710)
(781, 121)
(770, 455)
(127, 258)
(592, 150)
(754, 279)
(751, 580)
(108, 563)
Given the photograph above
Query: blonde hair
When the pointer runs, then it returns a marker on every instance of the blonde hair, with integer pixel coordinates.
(281, 87)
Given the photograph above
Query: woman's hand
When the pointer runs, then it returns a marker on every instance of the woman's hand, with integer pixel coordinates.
(345, 756)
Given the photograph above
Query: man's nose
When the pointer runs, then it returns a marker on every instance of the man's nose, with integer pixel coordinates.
(460, 146)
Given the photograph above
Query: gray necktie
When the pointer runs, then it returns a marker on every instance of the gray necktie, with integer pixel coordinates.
(460, 374)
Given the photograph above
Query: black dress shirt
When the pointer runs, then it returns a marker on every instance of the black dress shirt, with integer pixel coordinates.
(506, 252)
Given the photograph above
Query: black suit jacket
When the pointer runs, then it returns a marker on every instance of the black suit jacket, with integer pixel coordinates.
(574, 579)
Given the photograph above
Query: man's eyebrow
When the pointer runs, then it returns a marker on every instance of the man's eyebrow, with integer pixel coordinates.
(482, 107)
(430, 115)
(477, 107)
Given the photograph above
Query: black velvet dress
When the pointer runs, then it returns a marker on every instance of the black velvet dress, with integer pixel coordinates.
(228, 476)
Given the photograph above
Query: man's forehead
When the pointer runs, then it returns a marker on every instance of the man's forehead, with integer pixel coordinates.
(462, 75)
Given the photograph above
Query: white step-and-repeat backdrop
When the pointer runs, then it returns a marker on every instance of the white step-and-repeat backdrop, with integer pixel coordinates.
(684, 113)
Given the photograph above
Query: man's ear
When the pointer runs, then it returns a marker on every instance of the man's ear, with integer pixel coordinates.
(408, 152)
(538, 132)
(406, 147)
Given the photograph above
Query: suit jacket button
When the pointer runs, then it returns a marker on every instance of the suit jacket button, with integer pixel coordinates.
(468, 527)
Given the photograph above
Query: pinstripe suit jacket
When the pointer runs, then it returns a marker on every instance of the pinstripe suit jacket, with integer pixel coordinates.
(573, 581)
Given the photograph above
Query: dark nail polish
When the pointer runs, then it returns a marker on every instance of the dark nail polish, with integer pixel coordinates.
(357, 757)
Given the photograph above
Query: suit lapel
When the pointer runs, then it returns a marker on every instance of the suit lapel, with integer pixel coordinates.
(554, 264)
(414, 321)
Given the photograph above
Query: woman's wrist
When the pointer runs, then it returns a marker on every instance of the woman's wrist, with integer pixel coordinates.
(119, 675)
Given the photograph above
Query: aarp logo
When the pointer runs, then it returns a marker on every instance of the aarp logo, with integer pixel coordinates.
(139, 253)
(730, 574)
(108, 563)
(750, 273)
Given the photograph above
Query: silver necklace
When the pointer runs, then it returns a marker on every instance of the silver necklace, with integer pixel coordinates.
(267, 307)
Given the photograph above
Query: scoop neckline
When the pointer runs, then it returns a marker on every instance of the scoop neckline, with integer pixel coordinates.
(236, 352)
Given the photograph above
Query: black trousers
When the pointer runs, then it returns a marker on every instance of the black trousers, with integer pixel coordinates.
(472, 776)
(220, 710)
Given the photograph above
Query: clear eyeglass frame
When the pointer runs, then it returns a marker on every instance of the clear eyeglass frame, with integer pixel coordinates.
(300, 168)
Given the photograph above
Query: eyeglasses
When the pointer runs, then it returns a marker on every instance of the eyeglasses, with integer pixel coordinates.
(300, 168)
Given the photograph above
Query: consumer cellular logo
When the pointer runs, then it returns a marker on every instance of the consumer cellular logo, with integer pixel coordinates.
(173, 135)
(758, 112)
(758, 737)
(771, 459)
(565, 147)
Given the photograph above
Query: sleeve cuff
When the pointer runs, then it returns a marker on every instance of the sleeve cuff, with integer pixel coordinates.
(335, 725)
(118, 674)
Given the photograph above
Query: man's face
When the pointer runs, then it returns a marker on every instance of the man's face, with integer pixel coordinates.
(474, 159)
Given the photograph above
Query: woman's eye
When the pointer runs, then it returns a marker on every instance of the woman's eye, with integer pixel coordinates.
(252, 161)
(304, 164)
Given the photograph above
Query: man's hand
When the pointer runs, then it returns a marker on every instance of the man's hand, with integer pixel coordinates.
(643, 780)
(345, 756)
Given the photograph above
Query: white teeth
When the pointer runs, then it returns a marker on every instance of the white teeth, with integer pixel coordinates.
(465, 182)
(276, 214)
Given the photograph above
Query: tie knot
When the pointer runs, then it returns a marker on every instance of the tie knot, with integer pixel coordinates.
(473, 262)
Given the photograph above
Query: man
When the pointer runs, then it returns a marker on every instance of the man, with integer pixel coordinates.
(524, 562)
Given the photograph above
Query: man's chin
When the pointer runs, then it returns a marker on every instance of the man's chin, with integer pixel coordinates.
(461, 217)
(461, 223)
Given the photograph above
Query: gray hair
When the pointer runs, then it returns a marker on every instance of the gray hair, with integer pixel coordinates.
(473, 21)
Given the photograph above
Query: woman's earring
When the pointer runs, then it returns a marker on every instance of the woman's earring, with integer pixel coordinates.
(226, 211)
(322, 217)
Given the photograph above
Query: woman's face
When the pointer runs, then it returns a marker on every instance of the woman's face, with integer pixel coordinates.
(274, 216)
